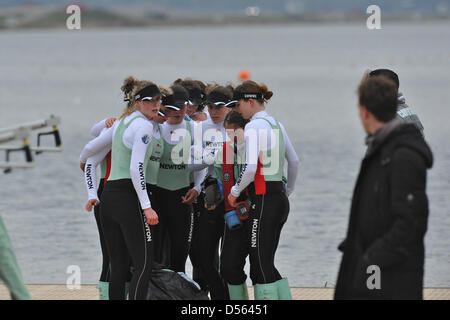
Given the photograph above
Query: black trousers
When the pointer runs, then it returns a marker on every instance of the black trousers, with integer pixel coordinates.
(127, 236)
(175, 224)
(268, 214)
(210, 231)
(104, 276)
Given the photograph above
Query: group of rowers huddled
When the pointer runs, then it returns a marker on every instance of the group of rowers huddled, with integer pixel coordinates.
(191, 170)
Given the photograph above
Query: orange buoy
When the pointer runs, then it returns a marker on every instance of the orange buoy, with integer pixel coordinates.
(244, 74)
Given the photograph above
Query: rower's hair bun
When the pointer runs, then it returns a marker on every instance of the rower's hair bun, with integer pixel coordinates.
(267, 94)
(128, 85)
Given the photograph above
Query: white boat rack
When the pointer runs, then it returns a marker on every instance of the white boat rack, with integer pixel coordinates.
(49, 122)
(23, 132)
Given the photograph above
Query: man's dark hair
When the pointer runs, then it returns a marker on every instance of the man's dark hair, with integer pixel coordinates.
(379, 95)
(387, 73)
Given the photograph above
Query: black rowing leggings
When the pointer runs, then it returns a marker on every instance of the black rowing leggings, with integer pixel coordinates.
(176, 223)
(234, 252)
(127, 236)
(264, 225)
(161, 242)
(194, 252)
(104, 276)
(210, 231)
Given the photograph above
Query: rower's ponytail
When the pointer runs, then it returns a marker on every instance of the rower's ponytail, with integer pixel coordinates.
(127, 88)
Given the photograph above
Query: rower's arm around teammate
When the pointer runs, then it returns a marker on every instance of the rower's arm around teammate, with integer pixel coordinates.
(90, 167)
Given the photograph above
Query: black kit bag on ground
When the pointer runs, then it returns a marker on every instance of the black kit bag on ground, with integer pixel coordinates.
(166, 284)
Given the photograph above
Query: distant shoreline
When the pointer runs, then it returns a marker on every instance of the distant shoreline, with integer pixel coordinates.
(99, 19)
(218, 26)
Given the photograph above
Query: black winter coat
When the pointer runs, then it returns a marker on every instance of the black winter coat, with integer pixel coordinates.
(388, 220)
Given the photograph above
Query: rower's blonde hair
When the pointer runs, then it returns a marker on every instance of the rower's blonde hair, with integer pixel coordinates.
(130, 87)
(165, 91)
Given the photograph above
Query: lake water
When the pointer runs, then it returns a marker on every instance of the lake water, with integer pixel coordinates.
(313, 71)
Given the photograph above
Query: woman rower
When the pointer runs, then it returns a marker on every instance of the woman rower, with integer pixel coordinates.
(211, 223)
(266, 147)
(175, 196)
(90, 174)
(125, 206)
(228, 164)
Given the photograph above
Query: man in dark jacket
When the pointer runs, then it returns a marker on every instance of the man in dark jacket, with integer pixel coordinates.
(383, 254)
(404, 111)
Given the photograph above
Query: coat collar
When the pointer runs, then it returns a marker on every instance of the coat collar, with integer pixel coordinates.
(377, 139)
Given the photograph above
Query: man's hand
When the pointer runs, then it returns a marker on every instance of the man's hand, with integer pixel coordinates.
(152, 217)
(190, 196)
(82, 165)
